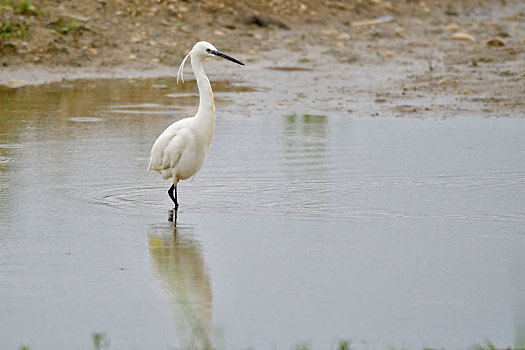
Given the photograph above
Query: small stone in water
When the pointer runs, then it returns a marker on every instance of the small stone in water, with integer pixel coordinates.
(132, 57)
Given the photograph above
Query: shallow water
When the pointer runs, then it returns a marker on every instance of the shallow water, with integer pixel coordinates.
(300, 228)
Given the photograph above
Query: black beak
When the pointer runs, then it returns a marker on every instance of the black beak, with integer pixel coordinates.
(220, 54)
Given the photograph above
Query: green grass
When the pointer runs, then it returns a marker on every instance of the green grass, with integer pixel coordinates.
(101, 341)
(25, 8)
(13, 30)
(487, 346)
(66, 28)
(344, 345)
(15, 26)
(63, 27)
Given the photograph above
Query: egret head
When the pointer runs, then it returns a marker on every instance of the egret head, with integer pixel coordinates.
(201, 51)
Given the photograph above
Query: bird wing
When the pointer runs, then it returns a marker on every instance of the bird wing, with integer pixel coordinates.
(166, 151)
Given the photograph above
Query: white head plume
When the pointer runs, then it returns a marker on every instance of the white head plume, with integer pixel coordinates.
(180, 73)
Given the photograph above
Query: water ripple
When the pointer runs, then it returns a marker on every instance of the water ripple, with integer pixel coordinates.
(311, 198)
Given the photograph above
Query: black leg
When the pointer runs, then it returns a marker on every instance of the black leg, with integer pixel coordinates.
(172, 192)
(173, 198)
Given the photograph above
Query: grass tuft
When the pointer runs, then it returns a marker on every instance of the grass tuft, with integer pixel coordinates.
(100, 341)
(13, 30)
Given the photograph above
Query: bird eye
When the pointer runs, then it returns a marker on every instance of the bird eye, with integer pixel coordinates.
(208, 50)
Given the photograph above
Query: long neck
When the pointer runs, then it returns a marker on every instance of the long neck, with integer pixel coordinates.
(206, 102)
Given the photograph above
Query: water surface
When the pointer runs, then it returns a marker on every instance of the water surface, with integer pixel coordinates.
(300, 228)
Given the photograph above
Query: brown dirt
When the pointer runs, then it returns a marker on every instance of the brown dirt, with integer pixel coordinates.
(113, 32)
(482, 69)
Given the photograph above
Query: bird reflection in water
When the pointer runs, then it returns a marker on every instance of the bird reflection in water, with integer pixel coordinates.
(177, 259)
(172, 215)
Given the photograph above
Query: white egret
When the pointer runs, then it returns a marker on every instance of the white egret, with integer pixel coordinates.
(180, 150)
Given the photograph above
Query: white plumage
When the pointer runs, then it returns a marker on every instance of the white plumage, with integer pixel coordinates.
(179, 152)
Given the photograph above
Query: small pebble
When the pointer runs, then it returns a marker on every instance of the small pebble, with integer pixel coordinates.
(451, 10)
(330, 31)
(495, 42)
(493, 24)
(14, 83)
(172, 10)
(452, 27)
(463, 36)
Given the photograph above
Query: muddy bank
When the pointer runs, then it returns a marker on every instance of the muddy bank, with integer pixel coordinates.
(431, 60)
(118, 32)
